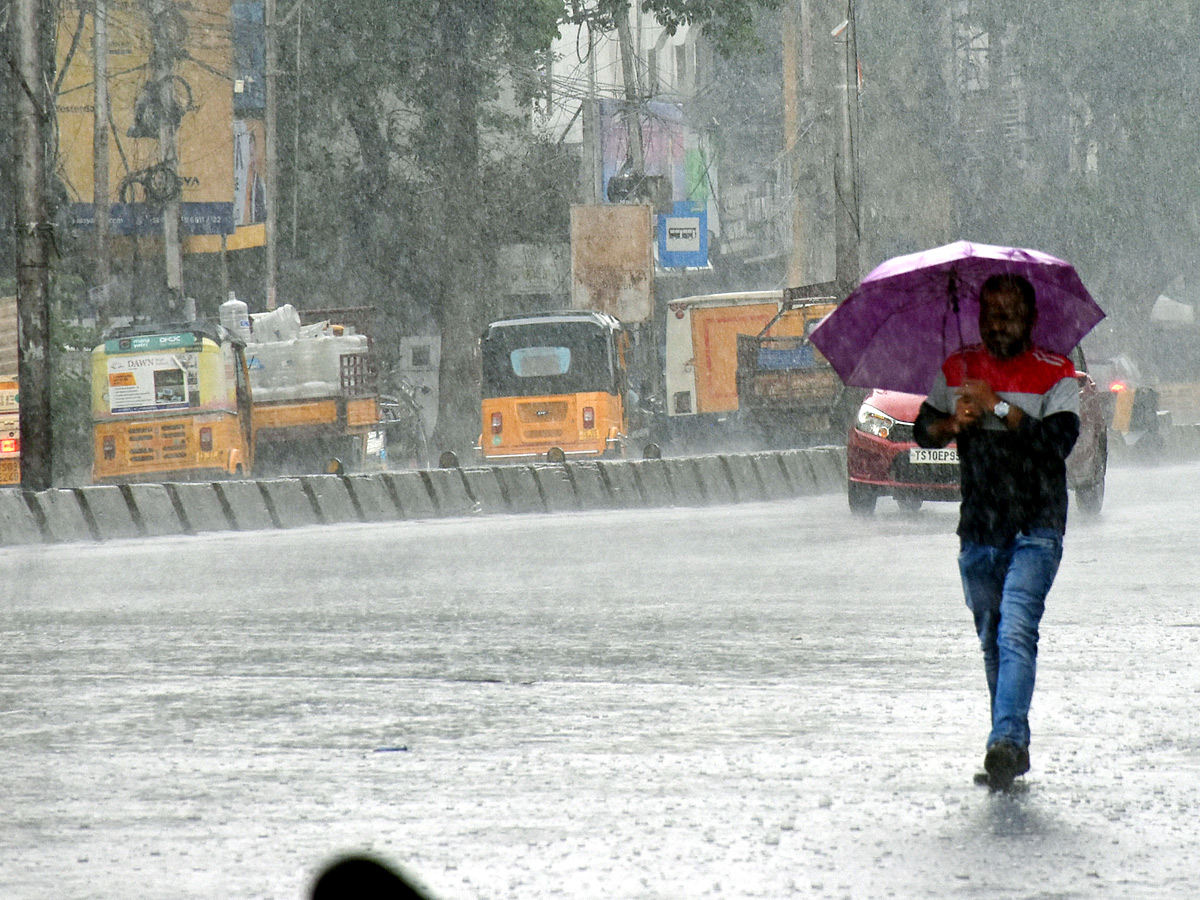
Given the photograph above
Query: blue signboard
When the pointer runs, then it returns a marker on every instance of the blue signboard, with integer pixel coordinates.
(146, 218)
(683, 236)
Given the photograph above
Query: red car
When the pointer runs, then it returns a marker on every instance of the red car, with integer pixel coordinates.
(882, 459)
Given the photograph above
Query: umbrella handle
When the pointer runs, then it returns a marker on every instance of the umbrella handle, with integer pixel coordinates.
(953, 291)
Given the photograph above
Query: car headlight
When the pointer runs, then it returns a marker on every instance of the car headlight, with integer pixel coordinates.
(872, 421)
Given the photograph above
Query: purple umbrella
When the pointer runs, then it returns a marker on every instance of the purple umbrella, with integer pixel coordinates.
(911, 312)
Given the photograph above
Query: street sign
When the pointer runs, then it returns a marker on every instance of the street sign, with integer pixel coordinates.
(683, 236)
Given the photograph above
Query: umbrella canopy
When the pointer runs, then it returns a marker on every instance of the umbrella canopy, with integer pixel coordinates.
(911, 312)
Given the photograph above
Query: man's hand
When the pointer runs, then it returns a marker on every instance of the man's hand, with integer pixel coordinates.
(977, 395)
(967, 412)
(974, 400)
(946, 428)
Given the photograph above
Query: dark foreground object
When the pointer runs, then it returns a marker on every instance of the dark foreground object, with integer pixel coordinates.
(1003, 763)
(363, 878)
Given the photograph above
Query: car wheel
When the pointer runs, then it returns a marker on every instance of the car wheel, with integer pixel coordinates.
(862, 498)
(909, 503)
(1090, 497)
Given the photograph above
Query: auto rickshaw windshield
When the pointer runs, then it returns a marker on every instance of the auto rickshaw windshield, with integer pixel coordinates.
(547, 358)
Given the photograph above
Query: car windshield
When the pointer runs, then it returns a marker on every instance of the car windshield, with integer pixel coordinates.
(542, 358)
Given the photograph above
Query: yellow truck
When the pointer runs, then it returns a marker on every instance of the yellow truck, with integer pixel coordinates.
(704, 399)
(10, 413)
(10, 432)
(315, 396)
(197, 402)
(788, 394)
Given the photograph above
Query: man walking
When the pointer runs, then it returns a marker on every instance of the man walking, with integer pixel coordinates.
(1013, 410)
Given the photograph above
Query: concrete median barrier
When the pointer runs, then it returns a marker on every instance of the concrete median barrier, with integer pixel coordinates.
(374, 501)
(591, 492)
(622, 486)
(62, 517)
(829, 465)
(770, 470)
(521, 489)
(801, 473)
(652, 479)
(558, 493)
(105, 512)
(411, 494)
(745, 479)
(202, 509)
(245, 504)
(111, 517)
(715, 479)
(155, 511)
(686, 486)
(290, 505)
(332, 498)
(18, 523)
(484, 486)
(449, 492)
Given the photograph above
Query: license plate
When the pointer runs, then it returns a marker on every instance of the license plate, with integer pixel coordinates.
(940, 455)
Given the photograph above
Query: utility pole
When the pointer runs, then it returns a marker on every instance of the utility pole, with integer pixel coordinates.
(299, 14)
(633, 116)
(100, 189)
(271, 63)
(162, 63)
(590, 169)
(33, 282)
(845, 189)
(799, 116)
(791, 135)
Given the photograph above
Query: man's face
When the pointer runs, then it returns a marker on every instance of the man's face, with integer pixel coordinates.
(1004, 323)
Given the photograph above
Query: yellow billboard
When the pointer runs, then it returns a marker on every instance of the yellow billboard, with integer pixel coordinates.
(198, 36)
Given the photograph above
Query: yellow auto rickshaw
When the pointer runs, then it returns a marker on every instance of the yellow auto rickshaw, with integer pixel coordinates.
(554, 386)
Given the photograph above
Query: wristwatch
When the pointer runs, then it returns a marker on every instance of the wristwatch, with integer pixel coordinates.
(1001, 409)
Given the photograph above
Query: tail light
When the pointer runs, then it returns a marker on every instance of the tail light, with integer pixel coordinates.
(206, 439)
(589, 417)
(110, 447)
(10, 445)
(1117, 386)
(497, 423)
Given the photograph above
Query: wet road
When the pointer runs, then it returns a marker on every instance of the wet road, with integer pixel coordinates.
(762, 701)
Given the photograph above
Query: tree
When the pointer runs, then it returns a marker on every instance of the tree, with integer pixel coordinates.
(1073, 133)
(393, 98)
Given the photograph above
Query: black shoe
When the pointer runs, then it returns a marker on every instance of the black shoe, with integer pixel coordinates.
(1004, 762)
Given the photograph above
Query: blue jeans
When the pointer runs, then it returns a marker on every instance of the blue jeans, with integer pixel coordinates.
(1005, 589)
